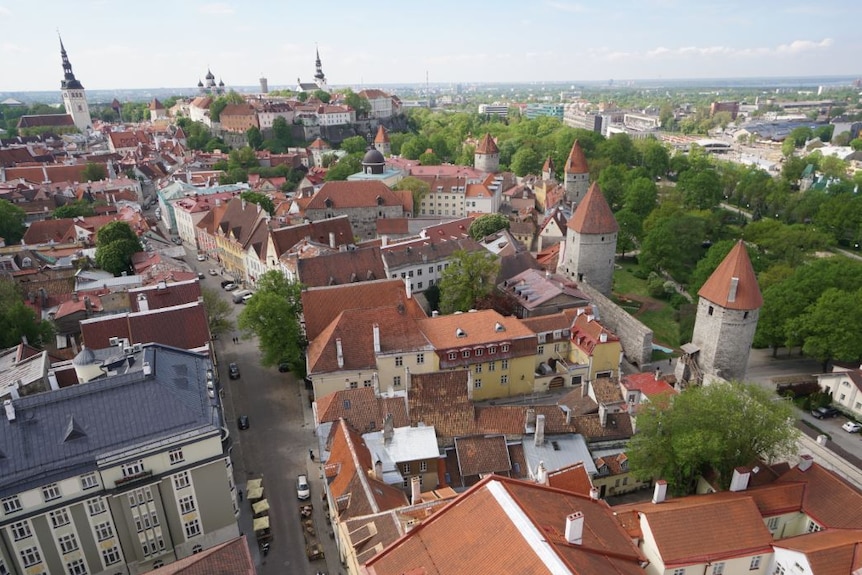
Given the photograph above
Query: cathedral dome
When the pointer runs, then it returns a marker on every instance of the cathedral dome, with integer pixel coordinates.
(210, 75)
(373, 156)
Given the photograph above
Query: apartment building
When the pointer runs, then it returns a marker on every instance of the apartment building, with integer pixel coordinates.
(119, 475)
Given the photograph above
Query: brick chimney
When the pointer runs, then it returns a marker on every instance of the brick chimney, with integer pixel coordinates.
(376, 330)
(805, 462)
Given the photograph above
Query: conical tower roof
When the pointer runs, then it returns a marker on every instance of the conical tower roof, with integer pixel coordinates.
(733, 284)
(577, 162)
(593, 215)
(487, 145)
(548, 166)
(382, 136)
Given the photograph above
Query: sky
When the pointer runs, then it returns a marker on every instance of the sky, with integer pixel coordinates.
(169, 44)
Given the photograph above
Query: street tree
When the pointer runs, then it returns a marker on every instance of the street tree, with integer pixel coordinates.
(11, 222)
(713, 428)
(218, 312)
(829, 328)
(18, 321)
(93, 172)
(116, 242)
(488, 224)
(469, 278)
(273, 316)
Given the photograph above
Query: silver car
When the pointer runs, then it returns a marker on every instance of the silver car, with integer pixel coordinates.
(303, 491)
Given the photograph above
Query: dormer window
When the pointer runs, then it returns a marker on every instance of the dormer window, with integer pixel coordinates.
(380, 201)
(327, 202)
(465, 353)
(492, 349)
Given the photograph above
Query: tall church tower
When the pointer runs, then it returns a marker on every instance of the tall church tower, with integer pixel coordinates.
(319, 78)
(74, 98)
(727, 310)
(487, 155)
(591, 243)
(576, 175)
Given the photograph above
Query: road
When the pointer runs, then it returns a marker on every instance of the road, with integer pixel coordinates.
(275, 446)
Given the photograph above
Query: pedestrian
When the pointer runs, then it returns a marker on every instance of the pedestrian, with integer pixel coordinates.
(240, 495)
(311, 454)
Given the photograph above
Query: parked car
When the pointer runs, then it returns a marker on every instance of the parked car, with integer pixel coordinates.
(302, 490)
(242, 422)
(851, 427)
(233, 370)
(230, 286)
(202, 258)
(200, 276)
(213, 272)
(226, 282)
(824, 412)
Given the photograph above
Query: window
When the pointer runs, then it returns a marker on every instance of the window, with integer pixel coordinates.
(95, 506)
(492, 349)
(718, 568)
(679, 571)
(193, 528)
(772, 524)
(420, 358)
(405, 468)
(430, 269)
(146, 521)
(76, 567)
(504, 380)
(710, 310)
(104, 531)
(176, 456)
(843, 397)
(492, 365)
(354, 384)
(21, 530)
(197, 549)
(625, 480)
(89, 481)
(366, 383)
(68, 543)
(419, 272)
(181, 480)
(410, 274)
(540, 350)
(465, 353)
(478, 368)
(504, 364)
(577, 379)
(813, 527)
(479, 352)
(477, 383)
(453, 355)
(59, 518)
(423, 466)
(504, 348)
(187, 504)
(11, 504)
(396, 381)
(755, 563)
(779, 570)
(30, 557)
(111, 555)
(133, 468)
(399, 361)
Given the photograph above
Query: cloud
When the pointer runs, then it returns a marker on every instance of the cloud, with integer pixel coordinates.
(5, 11)
(663, 52)
(567, 7)
(216, 8)
(798, 46)
(10, 48)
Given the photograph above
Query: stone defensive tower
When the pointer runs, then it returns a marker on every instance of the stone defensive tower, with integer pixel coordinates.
(487, 156)
(381, 141)
(591, 243)
(576, 175)
(727, 310)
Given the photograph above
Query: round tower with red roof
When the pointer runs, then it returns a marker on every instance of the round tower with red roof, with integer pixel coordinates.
(591, 243)
(487, 156)
(576, 175)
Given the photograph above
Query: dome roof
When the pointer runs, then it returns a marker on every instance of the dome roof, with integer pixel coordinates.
(200, 84)
(373, 156)
(84, 357)
(210, 75)
(220, 83)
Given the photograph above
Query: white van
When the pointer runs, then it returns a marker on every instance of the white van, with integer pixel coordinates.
(245, 298)
(238, 295)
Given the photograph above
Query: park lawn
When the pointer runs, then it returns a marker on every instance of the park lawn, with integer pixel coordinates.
(662, 320)
(626, 282)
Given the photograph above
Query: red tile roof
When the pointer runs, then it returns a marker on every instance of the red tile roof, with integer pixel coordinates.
(382, 136)
(228, 558)
(647, 384)
(478, 328)
(593, 215)
(361, 409)
(828, 499)
(165, 295)
(487, 145)
(830, 552)
(577, 162)
(573, 478)
(719, 288)
(481, 454)
(47, 231)
(183, 326)
(359, 194)
(338, 268)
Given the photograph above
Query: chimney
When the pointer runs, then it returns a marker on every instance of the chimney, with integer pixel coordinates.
(10, 410)
(805, 462)
(603, 415)
(147, 369)
(660, 492)
(339, 352)
(52, 380)
(435, 313)
(378, 470)
(74, 296)
(594, 494)
(143, 304)
(88, 305)
(415, 491)
(530, 421)
(332, 240)
(739, 480)
(585, 387)
(540, 430)
(408, 287)
(580, 310)
(376, 330)
(470, 384)
(657, 373)
(568, 417)
(541, 474)
(734, 285)
(388, 428)
(407, 377)
(603, 337)
(575, 528)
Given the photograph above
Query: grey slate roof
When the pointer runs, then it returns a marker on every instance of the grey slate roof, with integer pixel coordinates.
(62, 433)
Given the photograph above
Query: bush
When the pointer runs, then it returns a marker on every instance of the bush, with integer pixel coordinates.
(655, 285)
(677, 300)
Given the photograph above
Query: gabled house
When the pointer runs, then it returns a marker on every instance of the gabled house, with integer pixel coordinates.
(844, 386)
(363, 202)
(421, 261)
(237, 226)
(535, 293)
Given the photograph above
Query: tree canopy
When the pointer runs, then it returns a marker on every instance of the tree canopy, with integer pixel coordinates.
(116, 242)
(709, 428)
(346, 166)
(218, 312)
(78, 208)
(94, 172)
(17, 320)
(488, 224)
(11, 222)
(260, 199)
(469, 278)
(272, 314)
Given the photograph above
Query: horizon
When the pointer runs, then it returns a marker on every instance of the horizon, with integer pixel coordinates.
(503, 44)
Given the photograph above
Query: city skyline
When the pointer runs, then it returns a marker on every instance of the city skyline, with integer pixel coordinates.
(173, 45)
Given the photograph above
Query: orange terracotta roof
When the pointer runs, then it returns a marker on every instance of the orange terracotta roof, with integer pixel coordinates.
(828, 499)
(577, 162)
(573, 478)
(479, 327)
(830, 552)
(487, 145)
(361, 409)
(593, 215)
(482, 454)
(231, 557)
(382, 136)
(359, 194)
(719, 288)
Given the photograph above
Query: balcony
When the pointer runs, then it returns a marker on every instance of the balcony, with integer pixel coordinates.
(133, 478)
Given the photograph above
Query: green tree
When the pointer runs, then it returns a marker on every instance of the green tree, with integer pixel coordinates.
(414, 146)
(354, 145)
(18, 321)
(218, 312)
(360, 104)
(829, 328)
(612, 182)
(273, 316)
(525, 161)
(824, 132)
(78, 208)
(640, 196)
(254, 138)
(488, 224)
(429, 159)
(656, 158)
(469, 278)
(346, 166)
(701, 190)
(260, 199)
(302, 97)
(418, 188)
(713, 428)
(856, 144)
(673, 244)
(94, 172)
(322, 95)
(11, 222)
(630, 230)
(116, 242)
(833, 167)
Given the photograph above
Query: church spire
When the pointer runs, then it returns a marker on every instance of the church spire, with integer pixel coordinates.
(318, 67)
(69, 81)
